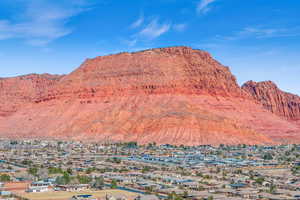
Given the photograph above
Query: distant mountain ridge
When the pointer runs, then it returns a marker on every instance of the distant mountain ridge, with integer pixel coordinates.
(174, 95)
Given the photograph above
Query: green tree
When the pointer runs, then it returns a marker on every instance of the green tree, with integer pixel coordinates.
(4, 178)
(54, 170)
(33, 171)
(98, 183)
(268, 156)
(145, 169)
(174, 196)
(67, 177)
(114, 184)
(63, 180)
(59, 180)
(260, 180)
(70, 171)
(116, 160)
(26, 162)
(272, 188)
(210, 198)
(84, 179)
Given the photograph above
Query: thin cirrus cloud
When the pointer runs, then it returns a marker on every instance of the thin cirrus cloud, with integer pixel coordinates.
(149, 30)
(154, 29)
(138, 22)
(130, 42)
(260, 33)
(269, 32)
(203, 6)
(146, 31)
(41, 22)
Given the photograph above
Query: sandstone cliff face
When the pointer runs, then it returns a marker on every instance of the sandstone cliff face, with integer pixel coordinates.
(17, 91)
(177, 70)
(273, 99)
(168, 95)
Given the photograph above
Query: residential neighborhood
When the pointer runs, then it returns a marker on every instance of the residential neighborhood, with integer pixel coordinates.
(33, 169)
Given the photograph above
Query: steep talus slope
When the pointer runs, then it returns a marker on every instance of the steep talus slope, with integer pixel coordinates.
(281, 103)
(161, 118)
(171, 95)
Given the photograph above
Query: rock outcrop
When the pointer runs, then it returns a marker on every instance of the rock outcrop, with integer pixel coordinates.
(174, 95)
(281, 103)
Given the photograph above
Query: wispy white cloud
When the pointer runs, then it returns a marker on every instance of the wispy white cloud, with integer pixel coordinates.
(154, 29)
(268, 32)
(147, 30)
(259, 33)
(179, 27)
(138, 22)
(42, 21)
(5, 30)
(203, 6)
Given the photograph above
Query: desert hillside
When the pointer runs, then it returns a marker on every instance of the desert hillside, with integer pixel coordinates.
(174, 95)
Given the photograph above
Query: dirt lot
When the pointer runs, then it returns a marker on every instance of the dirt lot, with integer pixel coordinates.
(282, 173)
(67, 195)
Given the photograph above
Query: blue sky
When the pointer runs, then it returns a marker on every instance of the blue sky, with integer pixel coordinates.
(258, 39)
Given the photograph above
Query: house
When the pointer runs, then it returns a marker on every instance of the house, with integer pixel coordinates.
(70, 188)
(266, 183)
(191, 185)
(147, 197)
(38, 189)
(39, 186)
(148, 185)
(83, 197)
(238, 185)
(5, 193)
(247, 193)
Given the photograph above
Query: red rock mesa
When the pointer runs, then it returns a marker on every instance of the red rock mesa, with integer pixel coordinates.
(174, 95)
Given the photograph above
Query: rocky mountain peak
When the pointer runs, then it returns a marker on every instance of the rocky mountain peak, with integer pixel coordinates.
(284, 104)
